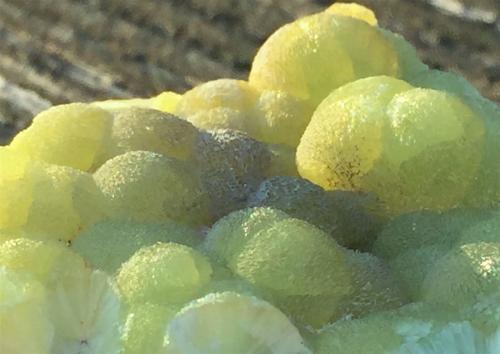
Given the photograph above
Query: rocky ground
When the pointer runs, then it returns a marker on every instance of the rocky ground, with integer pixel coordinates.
(55, 51)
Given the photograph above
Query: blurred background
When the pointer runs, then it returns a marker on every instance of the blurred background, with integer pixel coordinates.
(56, 51)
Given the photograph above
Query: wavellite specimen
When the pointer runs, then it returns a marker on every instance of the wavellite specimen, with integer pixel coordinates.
(230, 233)
(464, 274)
(415, 328)
(81, 305)
(340, 214)
(375, 289)
(136, 128)
(47, 262)
(16, 186)
(261, 245)
(486, 188)
(228, 323)
(410, 64)
(342, 200)
(432, 252)
(353, 10)
(380, 135)
(282, 161)
(23, 314)
(69, 135)
(110, 243)
(411, 268)
(46, 201)
(217, 104)
(65, 201)
(164, 102)
(427, 228)
(231, 166)
(146, 186)
(484, 315)
(144, 328)
(271, 116)
(286, 258)
(316, 54)
(164, 274)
